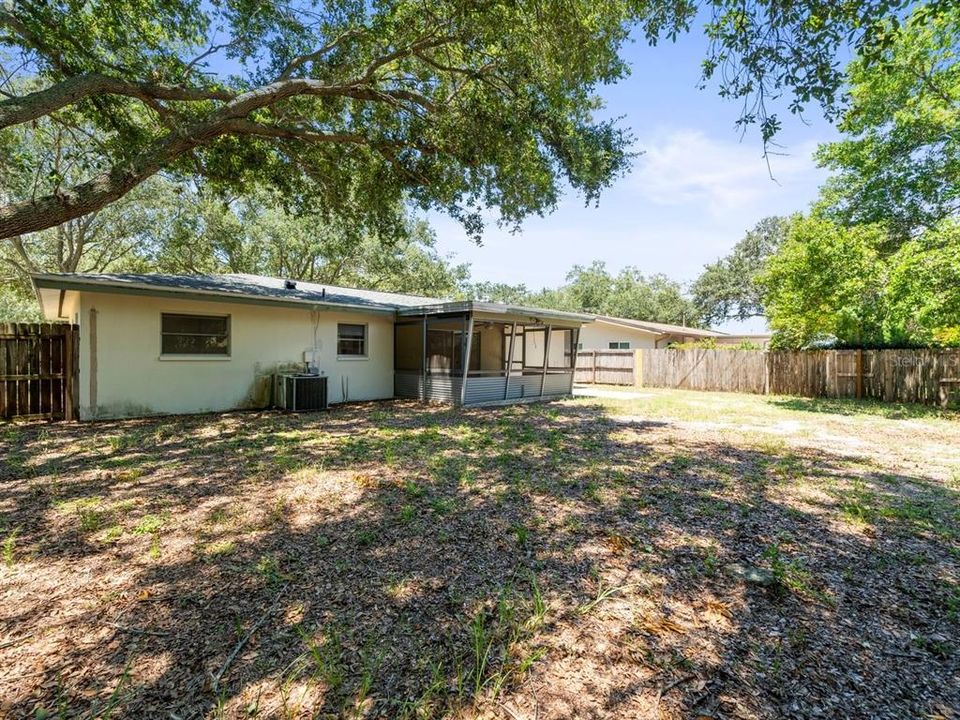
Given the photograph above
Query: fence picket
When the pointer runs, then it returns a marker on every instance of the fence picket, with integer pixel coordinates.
(904, 376)
(38, 370)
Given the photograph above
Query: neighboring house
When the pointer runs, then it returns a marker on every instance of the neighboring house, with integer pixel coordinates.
(612, 333)
(153, 344)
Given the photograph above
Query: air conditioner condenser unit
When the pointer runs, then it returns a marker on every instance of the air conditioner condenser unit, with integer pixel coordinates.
(300, 392)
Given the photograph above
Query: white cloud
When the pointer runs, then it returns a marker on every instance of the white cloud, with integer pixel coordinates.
(688, 200)
(688, 168)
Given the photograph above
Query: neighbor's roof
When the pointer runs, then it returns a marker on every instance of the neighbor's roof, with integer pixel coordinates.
(238, 286)
(267, 290)
(660, 328)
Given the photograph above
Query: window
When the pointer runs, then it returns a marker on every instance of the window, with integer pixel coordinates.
(351, 340)
(619, 346)
(194, 334)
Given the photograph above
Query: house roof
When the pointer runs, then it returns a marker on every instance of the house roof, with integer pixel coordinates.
(659, 328)
(236, 287)
(259, 289)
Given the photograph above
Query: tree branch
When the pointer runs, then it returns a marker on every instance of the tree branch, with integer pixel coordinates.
(297, 62)
(248, 127)
(18, 110)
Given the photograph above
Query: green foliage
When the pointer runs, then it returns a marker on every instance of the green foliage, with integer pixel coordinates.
(350, 109)
(254, 234)
(899, 160)
(727, 289)
(831, 281)
(704, 344)
(17, 304)
(9, 547)
(168, 226)
(712, 344)
(923, 289)
(592, 289)
(825, 280)
(879, 264)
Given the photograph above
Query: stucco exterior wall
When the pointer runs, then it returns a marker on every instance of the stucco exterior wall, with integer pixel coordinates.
(598, 336)
(71, 307)
(133, 379)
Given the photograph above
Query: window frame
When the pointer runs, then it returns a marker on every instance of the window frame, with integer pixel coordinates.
(620, 345)
(365, 355)
(197, 356)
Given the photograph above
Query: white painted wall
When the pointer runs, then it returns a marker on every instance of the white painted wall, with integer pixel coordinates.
(132, 379)
(599, 335)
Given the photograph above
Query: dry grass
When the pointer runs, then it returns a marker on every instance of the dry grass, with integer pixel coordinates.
(564, 560)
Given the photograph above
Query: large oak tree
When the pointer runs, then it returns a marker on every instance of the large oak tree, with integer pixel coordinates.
(351, 107)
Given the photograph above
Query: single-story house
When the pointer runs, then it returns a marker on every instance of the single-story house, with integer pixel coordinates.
(156, 344)
(613, 333)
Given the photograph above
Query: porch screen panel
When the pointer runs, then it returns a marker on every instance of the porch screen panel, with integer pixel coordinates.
(561, 349)
(534, 342)
(408, 347)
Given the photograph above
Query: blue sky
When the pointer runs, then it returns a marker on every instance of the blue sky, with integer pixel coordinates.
(686, 201)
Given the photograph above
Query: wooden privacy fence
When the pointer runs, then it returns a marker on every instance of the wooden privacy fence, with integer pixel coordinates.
(39, 371)
(607, 367)
(733, 370)
(908, 376)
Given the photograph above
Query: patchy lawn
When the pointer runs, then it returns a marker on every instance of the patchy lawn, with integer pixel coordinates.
(678, 555)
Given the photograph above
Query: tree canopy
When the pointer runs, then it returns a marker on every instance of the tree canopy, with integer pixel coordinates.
(923, 289)
(824, 281)
(899, 160)
(350, 109)
(593, 289)
(829, 281)
(876, 263)
(727, 289)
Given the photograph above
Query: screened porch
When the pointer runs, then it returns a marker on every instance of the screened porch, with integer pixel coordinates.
(472, 356)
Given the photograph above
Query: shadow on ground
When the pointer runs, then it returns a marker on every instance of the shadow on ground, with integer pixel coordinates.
(877, 408)
(392, 560)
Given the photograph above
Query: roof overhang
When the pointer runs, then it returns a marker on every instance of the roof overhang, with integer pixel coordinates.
(499, 311)
(44, 282)
(630, 326)
(659, 330)
(50, 288)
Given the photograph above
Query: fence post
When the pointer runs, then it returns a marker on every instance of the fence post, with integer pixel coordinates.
(859, 372)
(593, 363)
(638, 368)
(766, 372)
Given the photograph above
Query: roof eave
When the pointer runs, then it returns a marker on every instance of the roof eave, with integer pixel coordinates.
(58, 282)
(494, 309)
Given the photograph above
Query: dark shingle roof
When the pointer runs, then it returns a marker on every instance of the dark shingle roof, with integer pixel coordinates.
(261, 289)
(241, 286)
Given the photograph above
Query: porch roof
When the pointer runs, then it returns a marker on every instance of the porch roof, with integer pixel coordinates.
(505, 312)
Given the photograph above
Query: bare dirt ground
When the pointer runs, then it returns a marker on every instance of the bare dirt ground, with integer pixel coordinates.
(682, 555)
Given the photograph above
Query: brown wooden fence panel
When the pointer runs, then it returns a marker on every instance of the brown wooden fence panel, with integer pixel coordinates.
(906, 376)
(605, 367)
(808, 373)
(38, 371)
(701, 369)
